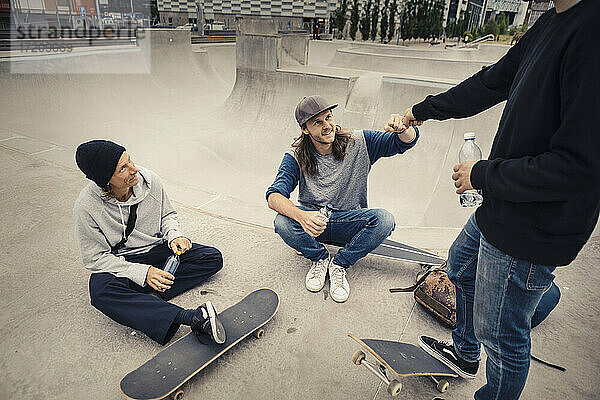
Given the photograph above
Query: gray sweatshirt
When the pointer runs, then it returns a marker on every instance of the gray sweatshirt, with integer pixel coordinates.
(100, 224)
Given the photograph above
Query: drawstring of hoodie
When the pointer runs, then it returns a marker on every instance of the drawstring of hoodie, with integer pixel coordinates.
(122, 221)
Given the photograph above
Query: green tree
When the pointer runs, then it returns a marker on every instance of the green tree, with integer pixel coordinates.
(411, 12)
(374, 20)
(524, 27)
(392, 25)
(404, 25)
(418, 19)
(461, 25)
(502, 23)
(437, 16)
(383, 27)
(450, 29)
(340, 17)
(365, 21)
(154, 12)
(491, 27)
(354, 16)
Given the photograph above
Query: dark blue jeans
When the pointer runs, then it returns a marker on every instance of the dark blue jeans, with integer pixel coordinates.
(356, 231)
(496, 298)
(132, 305)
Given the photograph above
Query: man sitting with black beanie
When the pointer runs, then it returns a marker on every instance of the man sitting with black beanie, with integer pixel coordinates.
(126, 228)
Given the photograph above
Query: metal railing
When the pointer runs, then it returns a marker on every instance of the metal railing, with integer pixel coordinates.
(485, 38)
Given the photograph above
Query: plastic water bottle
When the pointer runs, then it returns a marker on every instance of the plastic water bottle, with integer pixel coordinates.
(470, 152)
(172, 263)
(327, 210)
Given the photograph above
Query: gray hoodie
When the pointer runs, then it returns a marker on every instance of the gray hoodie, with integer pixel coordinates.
(100, 224)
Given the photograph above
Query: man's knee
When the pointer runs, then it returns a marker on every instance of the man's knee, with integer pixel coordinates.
(205, 255)
(457, 265)
(283, 225)
(384, 220)
(451, 265)
(215, 256)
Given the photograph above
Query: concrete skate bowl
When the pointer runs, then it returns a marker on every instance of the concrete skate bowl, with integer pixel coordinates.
(219, 153)
(433, 63)
(259, 126)
(129, 92)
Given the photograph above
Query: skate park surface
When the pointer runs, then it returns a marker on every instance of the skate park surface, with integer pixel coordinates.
(214, 121)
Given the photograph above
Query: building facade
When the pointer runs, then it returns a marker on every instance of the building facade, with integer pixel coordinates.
(72, 14)
(290, 14)
(536, 9)
(454, 10)
(515, 10)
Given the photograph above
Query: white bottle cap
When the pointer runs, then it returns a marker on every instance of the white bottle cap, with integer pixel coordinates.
(469, 135)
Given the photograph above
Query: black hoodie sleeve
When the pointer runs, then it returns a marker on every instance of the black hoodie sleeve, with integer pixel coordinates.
(481, 91)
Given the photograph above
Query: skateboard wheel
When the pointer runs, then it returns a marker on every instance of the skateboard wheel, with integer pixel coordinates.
(394, 388)
(178, 395)
(442, 386)
(259, 333)
(358, 357)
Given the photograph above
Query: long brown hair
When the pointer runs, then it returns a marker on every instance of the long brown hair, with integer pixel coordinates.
(305, 150)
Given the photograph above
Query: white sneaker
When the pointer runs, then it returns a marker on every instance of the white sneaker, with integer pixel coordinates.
(338, 284)
(315, 279)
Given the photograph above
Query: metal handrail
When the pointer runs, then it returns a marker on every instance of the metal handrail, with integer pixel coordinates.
(489, 36)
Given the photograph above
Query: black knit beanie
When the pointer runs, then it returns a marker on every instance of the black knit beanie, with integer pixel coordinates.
(98, 159)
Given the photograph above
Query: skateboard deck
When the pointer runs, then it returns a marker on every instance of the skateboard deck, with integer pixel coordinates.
(402, 360)
(167, 371)
(393, 243)
(402, 252)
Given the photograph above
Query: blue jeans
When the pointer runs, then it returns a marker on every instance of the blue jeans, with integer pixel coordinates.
(356, 231)
(496, 298)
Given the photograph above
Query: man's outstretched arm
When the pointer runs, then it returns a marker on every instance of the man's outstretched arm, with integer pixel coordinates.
(475, 94)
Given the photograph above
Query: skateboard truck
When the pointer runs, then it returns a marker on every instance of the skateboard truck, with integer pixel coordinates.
(401, 359)
(394, 387)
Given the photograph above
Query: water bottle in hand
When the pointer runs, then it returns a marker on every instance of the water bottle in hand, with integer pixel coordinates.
(172, 263)
(327, 210)
(470, 152)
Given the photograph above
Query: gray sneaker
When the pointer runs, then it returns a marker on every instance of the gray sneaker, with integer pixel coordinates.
(315, 279)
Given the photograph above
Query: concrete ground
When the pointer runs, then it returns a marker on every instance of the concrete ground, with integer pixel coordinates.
(55, 345)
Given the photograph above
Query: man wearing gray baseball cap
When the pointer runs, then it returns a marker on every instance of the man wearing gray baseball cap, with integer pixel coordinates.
(331, 165)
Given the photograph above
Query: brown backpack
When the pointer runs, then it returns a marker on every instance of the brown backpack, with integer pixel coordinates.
(436, 293)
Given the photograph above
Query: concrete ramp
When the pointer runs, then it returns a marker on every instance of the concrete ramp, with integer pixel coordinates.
(216, 134)
(217, 143)
(431, 65)
(109, 92)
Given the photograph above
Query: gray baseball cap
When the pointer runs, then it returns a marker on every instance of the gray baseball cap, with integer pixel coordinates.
(311, 106)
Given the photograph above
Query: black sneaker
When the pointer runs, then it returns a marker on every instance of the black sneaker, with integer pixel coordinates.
(444, 351)
(207, 322)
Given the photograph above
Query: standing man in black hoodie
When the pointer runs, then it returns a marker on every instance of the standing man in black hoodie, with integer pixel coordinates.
(541, 189)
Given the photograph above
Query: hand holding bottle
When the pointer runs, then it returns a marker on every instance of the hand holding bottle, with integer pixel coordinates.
(180, 244)
(462, 176)
(158, 279)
